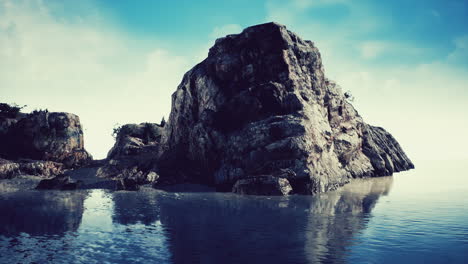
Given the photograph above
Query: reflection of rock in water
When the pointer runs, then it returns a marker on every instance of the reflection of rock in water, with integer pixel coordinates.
(337, 216)
(227, 228)
(135, 207)
(40, 212)
(223, 228)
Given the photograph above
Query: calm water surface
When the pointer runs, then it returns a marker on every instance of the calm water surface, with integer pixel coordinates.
(420, 216)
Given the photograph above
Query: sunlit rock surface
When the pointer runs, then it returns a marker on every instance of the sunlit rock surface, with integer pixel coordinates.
(260, 104)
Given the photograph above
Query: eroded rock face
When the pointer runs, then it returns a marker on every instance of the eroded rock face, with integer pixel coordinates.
(260, 104)
(133, 156)
(43, 135)
(134, 139)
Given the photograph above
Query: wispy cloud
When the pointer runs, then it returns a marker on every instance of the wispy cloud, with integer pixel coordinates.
(224, 30)
(373, 49)
(80, 63)
(311, 3)
(217, 32)
(460, 54)
(435, 13)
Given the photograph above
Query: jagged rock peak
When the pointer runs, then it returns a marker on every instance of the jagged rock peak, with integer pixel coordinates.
(272, 32)
(260, 106)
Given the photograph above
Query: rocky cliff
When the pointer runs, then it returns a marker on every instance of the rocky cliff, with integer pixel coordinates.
(132, 160)
(259, 116)
(41, 141)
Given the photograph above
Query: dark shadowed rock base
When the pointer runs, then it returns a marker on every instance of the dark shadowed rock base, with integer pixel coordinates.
(265, 185)
(127, 184)
(61, 182)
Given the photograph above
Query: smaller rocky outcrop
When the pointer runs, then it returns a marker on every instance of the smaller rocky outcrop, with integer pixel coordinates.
(384, 152)
(131, 161)
(39, 143)
(134, 139)
(42, 135)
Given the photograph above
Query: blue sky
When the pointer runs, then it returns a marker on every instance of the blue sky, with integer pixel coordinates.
(432, 25)
(110, 62)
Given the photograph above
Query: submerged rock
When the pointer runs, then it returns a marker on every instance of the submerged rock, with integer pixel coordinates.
(61, 182)
(262, 185)
(260, 104)
(127, 184)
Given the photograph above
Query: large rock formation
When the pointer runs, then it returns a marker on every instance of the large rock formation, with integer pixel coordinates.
(260, 106)
(41, 140)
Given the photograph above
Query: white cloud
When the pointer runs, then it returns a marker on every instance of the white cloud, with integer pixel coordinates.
(375, 49)
(311, 3)
(460, 53)
(423, 106)
(435, 13)
(89, 68)
(84, 67)
(219, 32)
(372, 49)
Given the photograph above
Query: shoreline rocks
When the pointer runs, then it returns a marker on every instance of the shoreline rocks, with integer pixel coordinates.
(10, 169)
(40, 143)
(43, 135)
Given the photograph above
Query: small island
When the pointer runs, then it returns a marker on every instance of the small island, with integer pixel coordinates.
(258, 116)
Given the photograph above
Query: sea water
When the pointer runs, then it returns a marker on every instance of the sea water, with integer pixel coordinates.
(419, 216)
